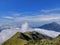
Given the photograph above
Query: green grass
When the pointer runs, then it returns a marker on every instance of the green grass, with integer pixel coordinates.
(18, 39)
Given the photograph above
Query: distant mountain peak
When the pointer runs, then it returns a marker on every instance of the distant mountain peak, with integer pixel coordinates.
(53, 23)
(51, 26)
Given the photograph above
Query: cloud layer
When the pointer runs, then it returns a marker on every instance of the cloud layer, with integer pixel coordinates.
(6, 34)
(44, 15)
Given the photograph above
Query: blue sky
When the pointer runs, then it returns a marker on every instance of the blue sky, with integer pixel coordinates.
(28, 5)
(29, 10)
(31, 6)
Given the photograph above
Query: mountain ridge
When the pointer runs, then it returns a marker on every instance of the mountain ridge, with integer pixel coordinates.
(51, 26)
(34, 39)
(34, 36)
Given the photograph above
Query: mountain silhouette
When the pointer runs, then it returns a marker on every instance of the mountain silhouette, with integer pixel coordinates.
(51, 26)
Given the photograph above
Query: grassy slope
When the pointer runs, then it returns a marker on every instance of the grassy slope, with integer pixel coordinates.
(21, 39)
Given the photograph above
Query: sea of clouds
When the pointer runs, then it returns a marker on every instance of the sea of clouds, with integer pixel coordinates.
(8, 33)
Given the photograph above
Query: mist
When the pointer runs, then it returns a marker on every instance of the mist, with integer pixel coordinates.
(8, 33)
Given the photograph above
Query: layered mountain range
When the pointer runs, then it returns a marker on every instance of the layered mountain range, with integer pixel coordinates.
(50, 26)
(43, 35)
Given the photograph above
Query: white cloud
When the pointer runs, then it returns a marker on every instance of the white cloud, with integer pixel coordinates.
(6, 34)
(8, 17)
(50, 10)
(16, 14)
(48, 17)
(34, 18)
(37, 18)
